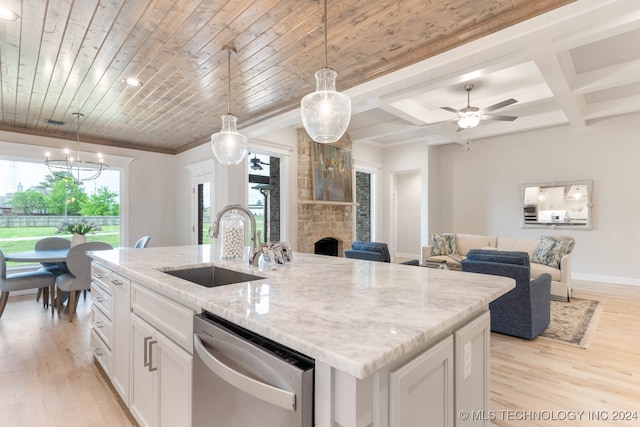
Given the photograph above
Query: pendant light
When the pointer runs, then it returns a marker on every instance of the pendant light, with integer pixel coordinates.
(229, 146)
(325, 112)
(76, 169)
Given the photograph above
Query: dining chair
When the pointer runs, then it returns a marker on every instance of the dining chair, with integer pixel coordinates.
(57, 268)
(142, 242)
(79, 276)
(20, 281)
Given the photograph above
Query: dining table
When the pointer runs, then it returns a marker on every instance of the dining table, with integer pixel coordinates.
(42, 256)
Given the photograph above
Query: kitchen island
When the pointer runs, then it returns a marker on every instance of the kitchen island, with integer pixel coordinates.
(363, 322)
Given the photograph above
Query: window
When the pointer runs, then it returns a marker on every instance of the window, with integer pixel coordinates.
(264, 195)
(33, 203)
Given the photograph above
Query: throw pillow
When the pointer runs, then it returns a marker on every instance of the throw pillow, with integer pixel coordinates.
(443, 244)
(542, 254)
(561, 248)
(550, 251)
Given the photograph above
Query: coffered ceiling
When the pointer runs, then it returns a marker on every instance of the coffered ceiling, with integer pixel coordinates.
(566, 63)
(569, 67)
(64, 56)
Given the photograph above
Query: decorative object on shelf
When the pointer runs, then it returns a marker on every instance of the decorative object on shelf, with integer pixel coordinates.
(325, 112)
(78, 229)
(229, 146)
(76, 169)
(332, 173)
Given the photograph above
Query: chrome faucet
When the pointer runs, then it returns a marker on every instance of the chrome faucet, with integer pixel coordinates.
(214, 230)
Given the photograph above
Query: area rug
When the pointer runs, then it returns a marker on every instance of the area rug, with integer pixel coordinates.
(573, 322)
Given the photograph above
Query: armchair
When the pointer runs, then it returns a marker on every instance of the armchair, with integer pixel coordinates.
(523, 312)
(372, 251)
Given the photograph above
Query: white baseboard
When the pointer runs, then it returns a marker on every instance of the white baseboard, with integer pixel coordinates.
(606, 279)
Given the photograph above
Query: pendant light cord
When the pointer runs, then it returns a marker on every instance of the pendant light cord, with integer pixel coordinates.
(229, 80)
(326, 30)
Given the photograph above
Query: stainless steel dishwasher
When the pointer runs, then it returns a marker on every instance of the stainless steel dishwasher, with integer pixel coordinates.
(242, 379)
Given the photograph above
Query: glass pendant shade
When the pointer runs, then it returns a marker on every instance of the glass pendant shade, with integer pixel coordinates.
(326, 112)
(229, 146)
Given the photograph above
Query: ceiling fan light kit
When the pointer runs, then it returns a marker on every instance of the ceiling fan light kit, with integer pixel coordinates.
(229, 146)
(75, 168)
(325, 112)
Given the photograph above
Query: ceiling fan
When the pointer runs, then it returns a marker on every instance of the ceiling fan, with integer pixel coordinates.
(469, 116)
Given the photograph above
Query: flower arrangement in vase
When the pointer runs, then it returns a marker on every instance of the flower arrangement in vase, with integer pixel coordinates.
(78, 229)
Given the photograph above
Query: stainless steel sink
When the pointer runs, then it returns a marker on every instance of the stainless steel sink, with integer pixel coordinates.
(212, 276)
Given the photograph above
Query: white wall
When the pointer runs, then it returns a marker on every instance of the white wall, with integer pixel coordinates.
(480, 189)
(407, 190)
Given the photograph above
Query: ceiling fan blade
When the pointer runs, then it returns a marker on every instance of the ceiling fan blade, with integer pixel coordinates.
(502, 118)
(450, 109)
(500, 105)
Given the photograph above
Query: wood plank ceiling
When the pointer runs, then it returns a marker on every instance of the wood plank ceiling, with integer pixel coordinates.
(64, 56)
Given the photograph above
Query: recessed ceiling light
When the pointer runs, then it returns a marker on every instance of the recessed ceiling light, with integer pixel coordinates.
(8, 15)
(133, 82)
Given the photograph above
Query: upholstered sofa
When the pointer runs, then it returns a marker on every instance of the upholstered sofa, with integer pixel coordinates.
(524, 311)
(458, 245)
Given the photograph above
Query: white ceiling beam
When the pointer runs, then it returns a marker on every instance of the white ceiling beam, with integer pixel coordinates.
(614, 107)
(605, 78)
(549, 65)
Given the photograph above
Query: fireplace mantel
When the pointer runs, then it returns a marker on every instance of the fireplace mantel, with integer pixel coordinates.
(326, 202)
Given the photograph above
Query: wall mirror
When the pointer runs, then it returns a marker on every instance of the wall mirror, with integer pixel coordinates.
(557, 205)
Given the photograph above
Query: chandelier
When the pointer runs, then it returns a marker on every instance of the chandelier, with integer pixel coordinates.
(76, 169)
(325, 112)
(229, 146)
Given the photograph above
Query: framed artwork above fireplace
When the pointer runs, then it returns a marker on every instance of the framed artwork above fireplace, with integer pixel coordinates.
(332, 173)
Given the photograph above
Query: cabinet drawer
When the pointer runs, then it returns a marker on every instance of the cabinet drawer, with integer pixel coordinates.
(118, 280)
(101, 353)
(101, 299)
(169, 317)
(100, 275)
(103, 326)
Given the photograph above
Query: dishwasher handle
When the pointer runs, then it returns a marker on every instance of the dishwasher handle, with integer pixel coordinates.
(276, 396)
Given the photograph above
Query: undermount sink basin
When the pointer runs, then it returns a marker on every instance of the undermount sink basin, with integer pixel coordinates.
(211, 277)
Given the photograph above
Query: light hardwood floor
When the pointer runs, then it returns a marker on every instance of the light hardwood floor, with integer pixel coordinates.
(48, 378)
(47, 373)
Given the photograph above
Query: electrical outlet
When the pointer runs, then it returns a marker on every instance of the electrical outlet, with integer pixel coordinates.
(467, 360)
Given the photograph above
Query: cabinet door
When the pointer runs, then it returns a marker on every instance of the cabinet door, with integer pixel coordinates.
(421, 392)
(174, 365)
(472, 371)
(144, 375)
(121, 291)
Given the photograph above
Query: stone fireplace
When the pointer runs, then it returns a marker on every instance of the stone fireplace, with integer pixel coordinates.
(319, 219)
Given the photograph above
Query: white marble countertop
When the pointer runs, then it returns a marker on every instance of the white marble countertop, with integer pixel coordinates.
(356, 316)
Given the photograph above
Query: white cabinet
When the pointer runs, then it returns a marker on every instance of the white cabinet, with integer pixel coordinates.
(121, 297)
(471, 347)
(110, 293)
(160, 368)
(443, 381)
(552, 198)
(421, 392)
